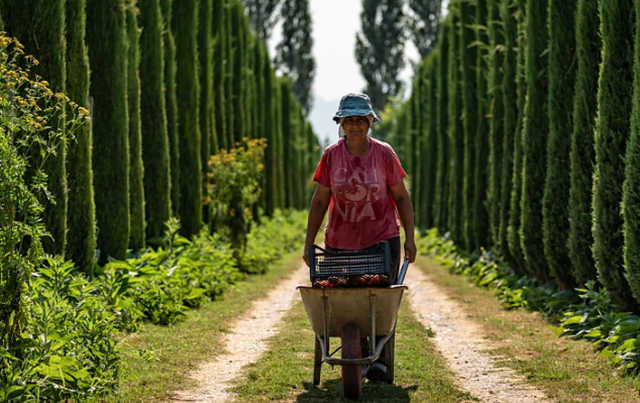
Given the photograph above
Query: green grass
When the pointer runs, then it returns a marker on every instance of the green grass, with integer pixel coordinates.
(158, 359)
(285, 372)
(569, 371)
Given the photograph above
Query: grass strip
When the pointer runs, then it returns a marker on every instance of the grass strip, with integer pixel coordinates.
(567, 370)
(285, 372)
(158, 359)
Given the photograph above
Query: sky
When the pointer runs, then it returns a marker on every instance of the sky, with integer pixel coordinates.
(335, 24)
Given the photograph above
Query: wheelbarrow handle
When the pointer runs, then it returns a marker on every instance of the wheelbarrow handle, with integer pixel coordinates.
(403, 271)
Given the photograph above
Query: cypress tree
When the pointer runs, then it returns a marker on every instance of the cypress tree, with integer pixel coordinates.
(39, 25)
(496, 120)
(617, 27)
(107, 42)
(81, 225)
(155, 140)
(631, 190)
(534, 138)
(229, 73)
(268, 125)
(468, 82)
(510, 104)
(239, 53)
(425, 24)
(442, 171)
(185, 28)
(136, 186)
(480, 218)
(261, 14)
(283, 179)
(456, 131)
(589, 51)
(208, 139)
(430, 147)
(515, 211)
(171, 103)
(219, 56)
(555, 203)
(415, 133)
(287, 137)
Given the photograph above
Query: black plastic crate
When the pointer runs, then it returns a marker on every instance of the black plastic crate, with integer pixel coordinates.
(347, 268)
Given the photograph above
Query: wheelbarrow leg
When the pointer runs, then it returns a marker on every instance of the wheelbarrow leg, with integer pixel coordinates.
(317, 363)
(390, 357)
(351, 374)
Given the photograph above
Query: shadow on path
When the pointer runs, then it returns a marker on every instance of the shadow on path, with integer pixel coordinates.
(331, 391)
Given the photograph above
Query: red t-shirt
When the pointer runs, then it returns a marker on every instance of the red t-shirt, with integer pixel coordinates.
(362, 211)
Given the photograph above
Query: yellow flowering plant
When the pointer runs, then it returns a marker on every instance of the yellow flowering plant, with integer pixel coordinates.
(33, 122)
(234, 187)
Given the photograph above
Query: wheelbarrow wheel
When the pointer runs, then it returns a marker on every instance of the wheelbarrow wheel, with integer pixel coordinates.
(351, 374)
(317, 362)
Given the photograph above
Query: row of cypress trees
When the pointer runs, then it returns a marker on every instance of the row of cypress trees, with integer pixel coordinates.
(168, 84)
(529, 114)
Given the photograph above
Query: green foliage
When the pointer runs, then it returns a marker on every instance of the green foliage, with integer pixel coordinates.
(440, 203)
(294, 56)
(496, 110)
(456, 131)
(238, 63)
(424, 24)
(233, 188)
(153, 112)
(515, 210)
(185, 28)
(136, 186)
(380, 49)
(510, 104)
(219, 55)
(70, 351)
(562, 78)
(171, 102)
(27, 141)
(468, 85)
(588, 313)
(261, 14)
(631, 195)
(582, 152)
(106, 39)
(482, 147)
(618, 21)
(81, 224)
(39, 25)
(208, 138)
(534, 140)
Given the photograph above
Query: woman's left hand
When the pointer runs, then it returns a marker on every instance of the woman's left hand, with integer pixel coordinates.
(410, 250)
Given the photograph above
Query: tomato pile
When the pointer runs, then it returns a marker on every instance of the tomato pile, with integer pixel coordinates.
(362, 280)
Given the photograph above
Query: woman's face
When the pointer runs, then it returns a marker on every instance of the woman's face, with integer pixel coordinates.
(356, 127)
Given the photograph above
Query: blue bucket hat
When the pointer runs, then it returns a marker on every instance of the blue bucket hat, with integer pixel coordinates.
(355, 105)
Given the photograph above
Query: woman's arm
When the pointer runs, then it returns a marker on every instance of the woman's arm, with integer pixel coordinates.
(317, 210)
(405, 211)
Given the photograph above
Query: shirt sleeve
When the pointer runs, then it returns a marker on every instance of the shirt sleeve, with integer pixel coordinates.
(395, 172)
(322, 175)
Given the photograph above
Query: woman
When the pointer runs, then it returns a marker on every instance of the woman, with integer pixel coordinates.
(360, 180)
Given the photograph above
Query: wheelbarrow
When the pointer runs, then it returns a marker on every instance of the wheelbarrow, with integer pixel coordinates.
(353, 313)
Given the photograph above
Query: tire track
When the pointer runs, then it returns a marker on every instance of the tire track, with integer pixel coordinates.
(461, 342)
(244, 344)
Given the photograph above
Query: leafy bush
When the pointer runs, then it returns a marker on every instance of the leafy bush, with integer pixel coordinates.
(68, 348)
(588, 313)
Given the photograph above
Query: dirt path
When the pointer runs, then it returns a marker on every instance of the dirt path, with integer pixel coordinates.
(462, 344)
(244, 344)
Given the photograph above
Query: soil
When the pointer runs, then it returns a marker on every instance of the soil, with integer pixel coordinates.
(244, 344)
(462, 343)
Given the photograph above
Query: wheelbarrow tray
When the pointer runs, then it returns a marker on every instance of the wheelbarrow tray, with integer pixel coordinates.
(352, 305)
